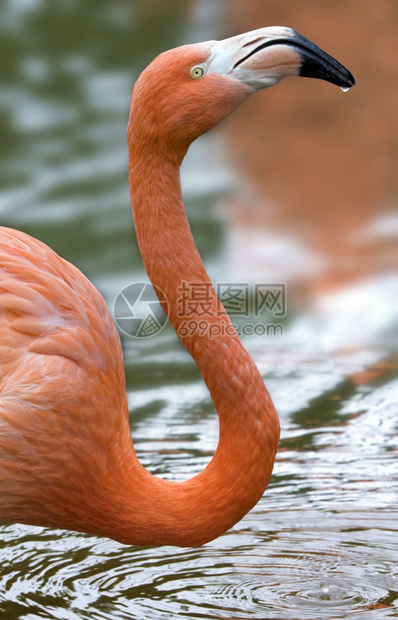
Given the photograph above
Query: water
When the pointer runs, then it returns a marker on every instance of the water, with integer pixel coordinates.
(322, 543)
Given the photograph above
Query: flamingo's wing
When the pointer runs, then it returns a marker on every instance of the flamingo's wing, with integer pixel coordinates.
(62, 387)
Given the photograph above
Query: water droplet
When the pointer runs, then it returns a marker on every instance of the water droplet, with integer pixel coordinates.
(345, 89)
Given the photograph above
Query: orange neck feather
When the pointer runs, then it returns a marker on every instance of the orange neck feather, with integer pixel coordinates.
(196, 511)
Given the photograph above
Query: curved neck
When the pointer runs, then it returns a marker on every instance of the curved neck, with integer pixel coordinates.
(198, 510)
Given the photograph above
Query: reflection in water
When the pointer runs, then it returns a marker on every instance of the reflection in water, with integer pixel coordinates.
(322, 543)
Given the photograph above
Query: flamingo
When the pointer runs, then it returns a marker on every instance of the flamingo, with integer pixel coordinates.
(66, 455)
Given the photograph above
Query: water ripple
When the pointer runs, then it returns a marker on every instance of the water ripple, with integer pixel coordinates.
(240, 577)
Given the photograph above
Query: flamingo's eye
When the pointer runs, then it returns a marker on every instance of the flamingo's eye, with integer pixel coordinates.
(197, 72)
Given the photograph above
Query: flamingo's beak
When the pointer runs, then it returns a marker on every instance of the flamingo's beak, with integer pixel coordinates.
(263, 57)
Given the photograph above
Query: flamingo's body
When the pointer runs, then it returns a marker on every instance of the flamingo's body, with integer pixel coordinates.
(66, 455)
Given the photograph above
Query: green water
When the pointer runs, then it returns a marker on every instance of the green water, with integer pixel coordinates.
(322, 543)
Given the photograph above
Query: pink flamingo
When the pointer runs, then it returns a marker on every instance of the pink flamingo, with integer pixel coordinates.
(66, 455)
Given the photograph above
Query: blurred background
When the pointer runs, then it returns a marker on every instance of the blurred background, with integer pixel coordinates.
(299, 186)
(326, 163)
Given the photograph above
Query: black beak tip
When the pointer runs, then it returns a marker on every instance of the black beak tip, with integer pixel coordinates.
(319, 65)
(326, 68)
(350, 79)
(339, 76)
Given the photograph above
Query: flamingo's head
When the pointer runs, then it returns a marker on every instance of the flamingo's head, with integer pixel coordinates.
(186, 91)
